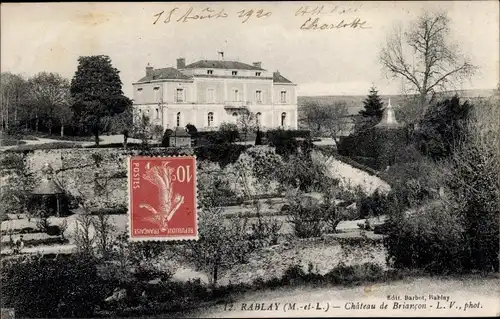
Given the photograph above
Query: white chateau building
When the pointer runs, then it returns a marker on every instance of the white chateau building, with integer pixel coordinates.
(207, 93)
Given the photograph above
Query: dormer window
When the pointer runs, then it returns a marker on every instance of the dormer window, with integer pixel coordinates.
(235, 72)
(257, 73)
(210, 72)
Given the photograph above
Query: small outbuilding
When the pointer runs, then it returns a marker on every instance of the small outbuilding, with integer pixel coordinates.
(180, 138)
(48, 197)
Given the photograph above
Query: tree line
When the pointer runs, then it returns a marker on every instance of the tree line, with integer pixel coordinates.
(91, 103)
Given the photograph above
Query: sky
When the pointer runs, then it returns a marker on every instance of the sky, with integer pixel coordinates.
(51, 36)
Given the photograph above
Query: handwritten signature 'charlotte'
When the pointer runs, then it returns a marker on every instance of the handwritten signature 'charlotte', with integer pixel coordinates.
(311, 24)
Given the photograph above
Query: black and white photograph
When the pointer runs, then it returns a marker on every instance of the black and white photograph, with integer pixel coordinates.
(250, 159)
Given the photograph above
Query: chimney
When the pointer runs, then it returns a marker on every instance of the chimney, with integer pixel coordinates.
(221, 55)
(257, 65)
(149, 70)
(181, 63)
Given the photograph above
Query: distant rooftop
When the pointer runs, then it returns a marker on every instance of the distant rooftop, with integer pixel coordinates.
(218, 64)
(165, 73)
(278, 78)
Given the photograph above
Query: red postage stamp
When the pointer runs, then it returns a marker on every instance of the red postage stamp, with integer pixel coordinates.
(162, 198)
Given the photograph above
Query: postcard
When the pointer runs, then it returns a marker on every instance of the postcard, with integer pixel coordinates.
(250, 159)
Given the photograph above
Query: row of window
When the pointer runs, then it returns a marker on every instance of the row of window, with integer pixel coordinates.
(210, 117)
(234, 73)
(210, 98)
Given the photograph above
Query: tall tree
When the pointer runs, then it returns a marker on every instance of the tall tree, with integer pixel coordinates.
(50, 97)
(425, 58)
(372, 112)
(97, 93)
(13, 96)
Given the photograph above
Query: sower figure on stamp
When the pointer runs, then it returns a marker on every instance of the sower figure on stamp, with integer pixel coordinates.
(169, 204)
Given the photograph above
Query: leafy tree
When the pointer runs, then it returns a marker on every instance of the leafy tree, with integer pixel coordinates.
(50, 97)
(373, 110)
(443, 127)
(96, 90)
(424, 57)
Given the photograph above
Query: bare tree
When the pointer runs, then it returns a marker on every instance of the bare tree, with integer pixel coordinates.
(13, 96)
(246, 123)
(330, 119)
(425, 57)
(50, 95)
(314, 117)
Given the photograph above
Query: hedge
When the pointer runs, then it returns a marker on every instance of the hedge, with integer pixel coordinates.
(11, 142)
(221, 153)
(120, 145)
(215, 137)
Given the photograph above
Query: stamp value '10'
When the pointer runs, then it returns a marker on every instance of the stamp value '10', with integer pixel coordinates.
(162, 198)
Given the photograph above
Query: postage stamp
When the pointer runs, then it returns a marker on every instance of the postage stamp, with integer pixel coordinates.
(162, 198)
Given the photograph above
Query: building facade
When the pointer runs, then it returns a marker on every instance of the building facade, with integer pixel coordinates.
(208, 93)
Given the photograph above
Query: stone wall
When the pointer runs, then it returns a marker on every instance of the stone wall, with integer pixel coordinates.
(323, 254)
(78, 169)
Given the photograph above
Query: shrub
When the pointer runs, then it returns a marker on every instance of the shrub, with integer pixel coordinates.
(165, 142)
(41, 288)
(258, 138)
(474, 186)
(374, 148)
(429, 239)
(302, 172)
(191, 129)
(359, 273)
(375, 204)
(265, 232)
(214, 188)
(288, 142)
(306, 217)
(220, 153)
(228, 132)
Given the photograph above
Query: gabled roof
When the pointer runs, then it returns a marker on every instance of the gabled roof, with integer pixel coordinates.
(180, 132)
(278, 78)
(165, 74)
(215, 64)
(47, 187)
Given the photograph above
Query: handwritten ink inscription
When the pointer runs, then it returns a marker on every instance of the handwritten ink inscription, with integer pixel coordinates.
(178, 15)
(316, 23)
(314, 16)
